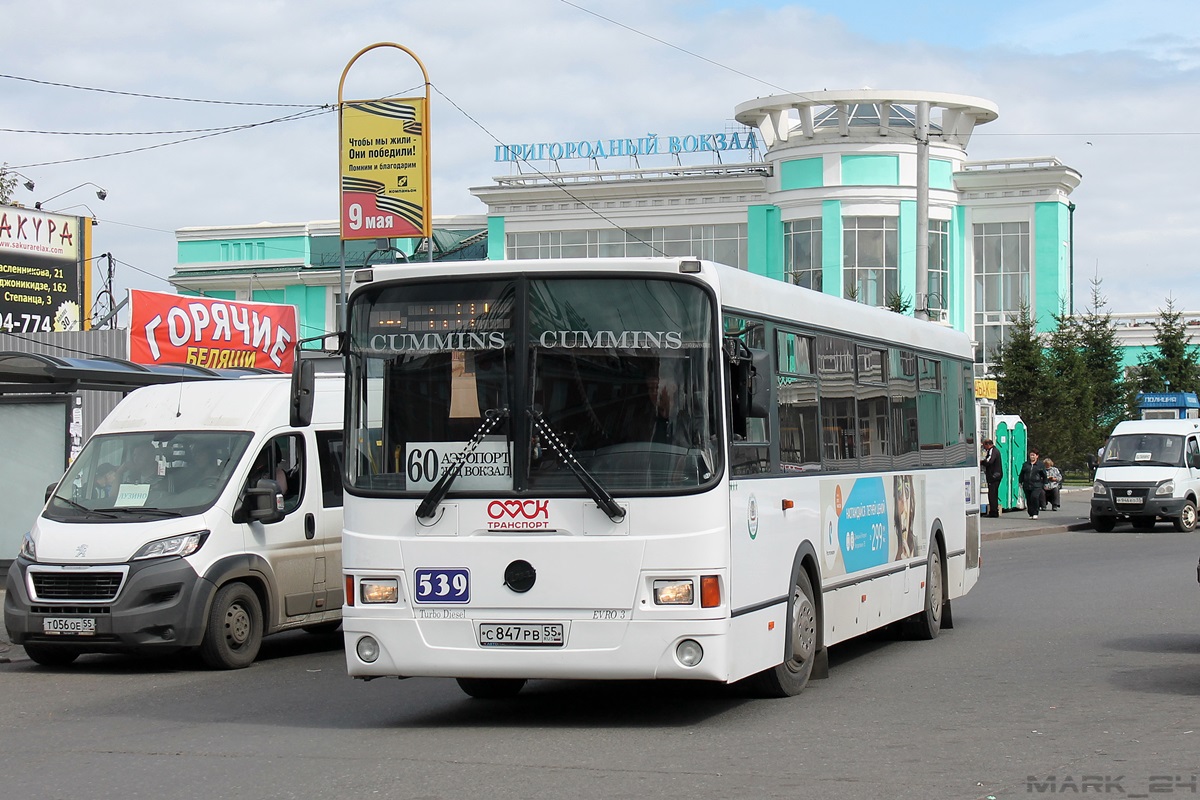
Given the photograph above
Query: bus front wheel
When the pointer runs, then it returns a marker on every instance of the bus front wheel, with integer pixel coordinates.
(491, 688)
(789, 678)
(927, 623)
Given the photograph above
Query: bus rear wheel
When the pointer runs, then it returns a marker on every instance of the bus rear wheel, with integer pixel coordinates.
(491, 688)
(789, 678)
(927, 623)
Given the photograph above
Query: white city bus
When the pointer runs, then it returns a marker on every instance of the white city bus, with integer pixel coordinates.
(644, 468)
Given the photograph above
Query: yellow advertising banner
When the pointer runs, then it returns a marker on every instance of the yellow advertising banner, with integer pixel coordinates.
(385, 169)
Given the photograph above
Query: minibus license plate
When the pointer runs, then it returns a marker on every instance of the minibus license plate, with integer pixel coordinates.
(74, 626)
(520, 634)
(1129, 500)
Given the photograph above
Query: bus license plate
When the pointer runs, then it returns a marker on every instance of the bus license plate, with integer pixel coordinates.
(72, 626)
(1129, 500)
(520, 634)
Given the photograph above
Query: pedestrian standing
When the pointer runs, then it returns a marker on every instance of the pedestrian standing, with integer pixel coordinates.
(993, 473)
(1053, 485)
(1033, 483)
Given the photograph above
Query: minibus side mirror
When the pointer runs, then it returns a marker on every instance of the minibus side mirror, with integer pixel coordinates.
(262, 502)
(1193, 461)
(49, 491)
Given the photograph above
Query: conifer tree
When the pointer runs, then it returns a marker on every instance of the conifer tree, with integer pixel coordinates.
(1065, 430)
(1020, 370)
(1102, 369)
(1174, 363)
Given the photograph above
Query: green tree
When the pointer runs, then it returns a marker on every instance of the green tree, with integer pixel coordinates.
(899, 303)
(1102, 369)
(1174, 363)
(1020, 370)
(1065, 429)
(8, 181)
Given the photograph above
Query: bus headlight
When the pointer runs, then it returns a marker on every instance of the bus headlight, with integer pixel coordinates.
(367, 649)
(378, 590)
(673, 593)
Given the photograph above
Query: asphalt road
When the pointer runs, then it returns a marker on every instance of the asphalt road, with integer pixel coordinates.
(1075, 661)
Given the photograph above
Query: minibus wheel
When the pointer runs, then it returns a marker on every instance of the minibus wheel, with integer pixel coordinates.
(234, 631)
(1102, 524)
(1186, 521)
(491, 688)
(50, 656)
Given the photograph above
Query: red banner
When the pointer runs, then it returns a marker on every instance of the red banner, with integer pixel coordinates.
(173, 329)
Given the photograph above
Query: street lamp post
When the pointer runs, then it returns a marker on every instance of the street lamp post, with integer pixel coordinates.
(101, 193)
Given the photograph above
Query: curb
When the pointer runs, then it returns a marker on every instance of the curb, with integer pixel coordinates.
(1019, 533)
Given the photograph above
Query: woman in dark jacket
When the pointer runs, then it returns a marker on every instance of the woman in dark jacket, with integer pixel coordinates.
(1033, 483)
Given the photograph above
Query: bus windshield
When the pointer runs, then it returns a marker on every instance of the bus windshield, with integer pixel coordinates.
(534, 385)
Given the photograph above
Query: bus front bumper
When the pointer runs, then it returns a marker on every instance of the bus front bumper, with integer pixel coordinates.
(591, 650)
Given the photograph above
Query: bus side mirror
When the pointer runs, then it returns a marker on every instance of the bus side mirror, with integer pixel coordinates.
(760, 384)
(750, 386)
(303, 387)
(304, 372)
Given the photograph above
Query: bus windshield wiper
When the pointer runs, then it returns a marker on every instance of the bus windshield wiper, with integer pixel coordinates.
(83, 508)
(491, 418)
(597, 492)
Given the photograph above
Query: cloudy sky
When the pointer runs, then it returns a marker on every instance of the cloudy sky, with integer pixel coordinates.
(1107, 87)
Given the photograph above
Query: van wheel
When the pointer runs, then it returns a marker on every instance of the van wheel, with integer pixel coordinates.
(1103, 524)
(234, 631)
(50, 656)
(927, 623)
(491, 688)
(789, 678)
(1143, 523)
(1186, 521)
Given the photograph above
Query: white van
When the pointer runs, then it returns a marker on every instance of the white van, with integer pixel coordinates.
(1148, 470)
(203, 514)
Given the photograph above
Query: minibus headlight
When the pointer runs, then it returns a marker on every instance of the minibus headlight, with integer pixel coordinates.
(28, 548)
(1166, 488)
(1099, 489)
(673, 593)
(181, 546)
(378, 590)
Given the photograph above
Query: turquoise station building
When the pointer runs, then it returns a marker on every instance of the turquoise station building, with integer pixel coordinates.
(820, 189)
